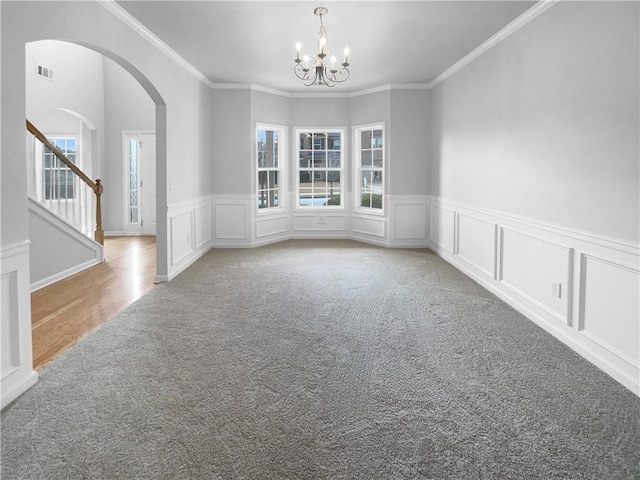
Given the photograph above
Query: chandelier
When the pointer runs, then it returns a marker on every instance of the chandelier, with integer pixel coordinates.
(318, 71)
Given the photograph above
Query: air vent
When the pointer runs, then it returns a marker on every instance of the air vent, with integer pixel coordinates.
(44, 72)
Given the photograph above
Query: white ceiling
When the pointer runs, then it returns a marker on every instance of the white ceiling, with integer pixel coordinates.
(391, 42)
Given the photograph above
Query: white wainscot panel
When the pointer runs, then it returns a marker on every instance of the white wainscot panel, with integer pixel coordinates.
(610, 307)
(231, 221)
(15, 324)
(368, 226)
(202, 217)
(266, 226)
(410, 221)
(442, 227)
(477, 243)
(181, 236)
(539, 270)
(319, 222)
(10, 343)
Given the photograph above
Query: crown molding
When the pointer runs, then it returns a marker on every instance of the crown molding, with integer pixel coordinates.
(250, 86)
(514, 26)
(325, 94)
(144, 32)
(389, 87)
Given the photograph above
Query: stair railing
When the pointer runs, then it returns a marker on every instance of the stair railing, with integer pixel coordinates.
(59, 188)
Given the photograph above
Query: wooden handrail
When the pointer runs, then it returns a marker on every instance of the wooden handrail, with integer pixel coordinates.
(95, 186)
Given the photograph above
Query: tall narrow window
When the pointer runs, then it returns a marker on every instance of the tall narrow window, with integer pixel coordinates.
(58, 178)
(269, 150)
(134, 184)
(320, 168)
(370, 150)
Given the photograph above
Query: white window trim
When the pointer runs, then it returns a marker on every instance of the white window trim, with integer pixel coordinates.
(357, 162)
(39, 152)
(343, 161)
(282, 167)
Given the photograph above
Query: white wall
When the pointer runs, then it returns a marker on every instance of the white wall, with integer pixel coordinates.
(409, 133)
(57, 250)
(545, 124)
(370, 108)
(232, 141)
(535, 177)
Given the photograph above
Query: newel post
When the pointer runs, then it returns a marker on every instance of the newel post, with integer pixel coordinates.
(99, 234)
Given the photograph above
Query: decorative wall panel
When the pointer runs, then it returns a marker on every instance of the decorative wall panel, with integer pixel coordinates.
(477, 242)
(610, 306)
(368, 225)
(538, 270)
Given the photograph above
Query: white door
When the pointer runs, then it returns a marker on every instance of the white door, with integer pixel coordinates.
(140, 183)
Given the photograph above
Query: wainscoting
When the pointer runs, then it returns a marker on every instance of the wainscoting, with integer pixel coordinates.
(584, 289)
(238, 223)
(17, 374)
(190, 233)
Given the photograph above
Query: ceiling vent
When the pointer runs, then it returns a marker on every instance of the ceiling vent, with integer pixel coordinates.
(44, 72)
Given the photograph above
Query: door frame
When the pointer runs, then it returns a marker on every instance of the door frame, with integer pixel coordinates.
(127, 225)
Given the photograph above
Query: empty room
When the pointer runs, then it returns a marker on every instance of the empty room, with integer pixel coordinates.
(341, 239)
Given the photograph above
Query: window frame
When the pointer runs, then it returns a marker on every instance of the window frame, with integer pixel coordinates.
(357, 147)
(281, 169)
(53, 138)
(341, 170)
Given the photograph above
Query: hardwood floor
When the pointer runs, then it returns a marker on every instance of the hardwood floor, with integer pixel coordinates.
(67, 311)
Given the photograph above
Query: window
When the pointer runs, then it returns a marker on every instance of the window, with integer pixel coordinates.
(269, 150)
(134, 188)
(58, 178)
(320, 168)
(370, 161)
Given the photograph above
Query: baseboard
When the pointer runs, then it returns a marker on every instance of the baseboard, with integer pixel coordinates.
(13, 392)
(184, 263)
(62, 275)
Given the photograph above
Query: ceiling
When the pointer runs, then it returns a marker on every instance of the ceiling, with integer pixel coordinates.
(391, 42)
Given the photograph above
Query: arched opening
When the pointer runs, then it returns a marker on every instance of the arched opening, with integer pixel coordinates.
(99, 68)
(89, 101)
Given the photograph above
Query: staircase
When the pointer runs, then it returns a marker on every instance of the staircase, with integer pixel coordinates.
(65, 216)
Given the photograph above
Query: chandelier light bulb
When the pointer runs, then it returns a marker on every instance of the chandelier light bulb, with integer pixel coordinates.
(298, 48)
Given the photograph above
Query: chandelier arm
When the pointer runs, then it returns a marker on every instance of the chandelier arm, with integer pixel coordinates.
(343, 71)
(300, 73)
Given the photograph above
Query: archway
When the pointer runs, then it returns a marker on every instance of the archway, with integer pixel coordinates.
(160, 139)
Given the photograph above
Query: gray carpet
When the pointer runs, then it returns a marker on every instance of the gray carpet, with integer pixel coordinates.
(321, 360)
